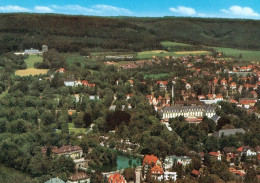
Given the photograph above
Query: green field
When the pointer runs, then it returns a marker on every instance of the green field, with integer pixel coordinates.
(162, 53)
(72, 129)
(74, 57)
(156, 76)
(169, 43)
(32, 60)
(247, 55)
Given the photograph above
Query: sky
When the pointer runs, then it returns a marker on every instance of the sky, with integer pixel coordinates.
(249, 9)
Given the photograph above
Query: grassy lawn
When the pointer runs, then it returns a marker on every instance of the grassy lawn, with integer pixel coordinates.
(72, 129)
(162, 53)
(75, 57)
(247, 55)
(32, 60)
(169, 43)
(156, 76)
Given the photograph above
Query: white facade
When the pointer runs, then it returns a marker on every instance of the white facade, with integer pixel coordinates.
(170, 160)
(69, 83)
(250, 153)
(168, 176)
(186, 111)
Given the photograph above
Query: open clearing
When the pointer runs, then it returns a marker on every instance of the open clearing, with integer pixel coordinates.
(72, 129)
(31, 71)
(32, 60)
(247, 55)
(156, 76)
(192, 52)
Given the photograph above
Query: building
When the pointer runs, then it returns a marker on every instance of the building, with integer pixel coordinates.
(44, 48)
(230, 152)
(55, 180)
(162, 84)
(80, 177)
(216, 155)
(228, 132)
(170, 160)
(69, 82)
(167, 176)
(32, 51)
(186, 111)
(116, 178)
(74, 152)
(246, 150)
(156, 172)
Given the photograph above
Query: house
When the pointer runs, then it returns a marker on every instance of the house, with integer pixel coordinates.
(151, 160)
(156, 171)
(74, 152)
(69, 82)
(167, 176)
(195, 173)
(131, 82)
(223, 82)
(80, 177)
(201, 97)
(116, 178)
(228, 132)
(55, 180)
(61, 70)
(188, 86)
(216, 155)
(233, 86)
(246, 150)
(170, 160)
(162, 84)
(31, 51)
(230, 153)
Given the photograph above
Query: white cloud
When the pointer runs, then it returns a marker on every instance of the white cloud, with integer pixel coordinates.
(240, 11)
(184, 10)
(108, 8)
(11, 8)
(75, 9)
(43, 9)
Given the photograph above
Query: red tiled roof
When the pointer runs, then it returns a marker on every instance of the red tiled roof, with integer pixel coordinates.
(63, 149)
(78, 176)
(214, 153)
(163, 82)
(116, 178)
(195, 172)
(150, 159)
(157, 170)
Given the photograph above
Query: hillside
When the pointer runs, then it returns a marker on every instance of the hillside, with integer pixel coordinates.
(72, 33)
(234, 33)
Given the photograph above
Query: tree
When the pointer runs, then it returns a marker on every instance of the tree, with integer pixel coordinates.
(129, 174)
(251, 176)
(243, 158)
(87, 119)
(96, 177)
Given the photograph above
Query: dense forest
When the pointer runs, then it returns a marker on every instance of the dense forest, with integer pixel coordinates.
(73, 33)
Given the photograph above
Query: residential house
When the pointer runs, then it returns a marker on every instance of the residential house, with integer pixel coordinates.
(74, 152)
(195, 173)
(223, 82)
(246, 150)
(162, 84)
(116, 178)
(167, 176)
(216, 155)
(61, 70)
(55, 180)
(156, 172)
(230, 152)
(69, 82)
(233, 86)
(31, 51)
(170, 160)
(80, 177)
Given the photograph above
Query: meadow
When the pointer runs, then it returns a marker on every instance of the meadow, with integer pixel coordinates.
(32, 59)
(247, 55)
(31, 71)
(156, 76)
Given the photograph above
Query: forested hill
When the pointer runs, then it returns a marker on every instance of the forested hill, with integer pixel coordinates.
(234, 33)
(72, 33)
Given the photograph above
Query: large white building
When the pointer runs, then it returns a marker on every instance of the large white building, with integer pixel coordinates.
(187, 111)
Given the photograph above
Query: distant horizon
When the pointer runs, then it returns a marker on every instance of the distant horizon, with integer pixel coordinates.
(232, 9)
(125, 16)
